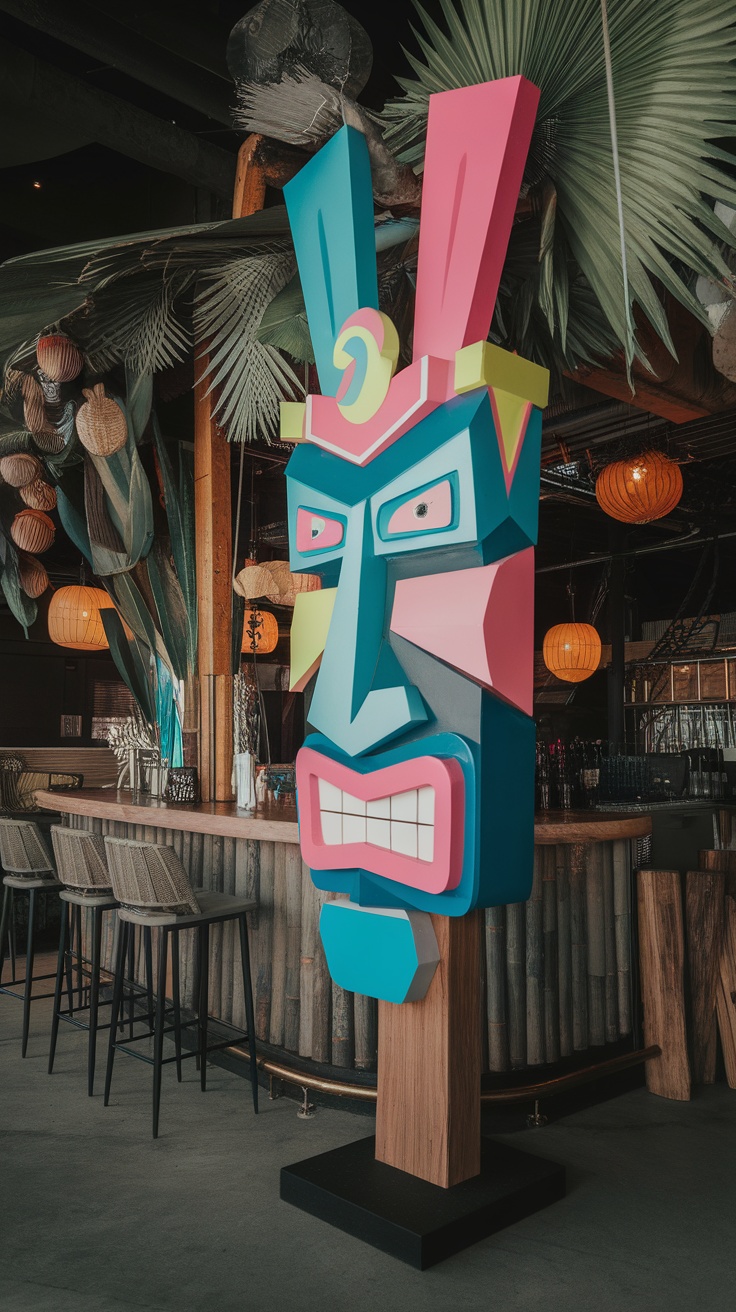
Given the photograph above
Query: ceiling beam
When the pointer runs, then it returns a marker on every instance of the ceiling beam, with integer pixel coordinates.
(83, 28)
(199, 40)
(28, 85)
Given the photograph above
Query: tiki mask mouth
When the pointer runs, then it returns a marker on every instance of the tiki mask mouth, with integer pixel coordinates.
(403, 822)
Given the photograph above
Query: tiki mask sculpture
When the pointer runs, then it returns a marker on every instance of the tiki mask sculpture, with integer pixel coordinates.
(414, 495)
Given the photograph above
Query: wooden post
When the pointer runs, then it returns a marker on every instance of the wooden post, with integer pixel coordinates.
(662, 956)
(428, 1113)
(213, 535)
(705, 909)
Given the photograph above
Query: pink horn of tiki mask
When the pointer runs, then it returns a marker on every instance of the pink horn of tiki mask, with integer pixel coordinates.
(414, 495)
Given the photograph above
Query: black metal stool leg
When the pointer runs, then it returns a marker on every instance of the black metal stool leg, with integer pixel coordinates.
(249, 1014)
(6, 927)
(63, 934)
(117, 999)
(148, 953)
(28, 990)
(131, 977)
(176, 999)
(94, 997)
(197, 978)
(11, 939)
(204, 998)
(78, 954)
(158, 1031)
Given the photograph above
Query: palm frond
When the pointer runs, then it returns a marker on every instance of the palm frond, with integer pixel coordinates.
(674, 74)
(247, 376)
(300, 109)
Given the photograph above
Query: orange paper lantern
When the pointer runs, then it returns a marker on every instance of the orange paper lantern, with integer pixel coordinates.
(266, 631)
(75, 620)
(572, 651)
(636, 491)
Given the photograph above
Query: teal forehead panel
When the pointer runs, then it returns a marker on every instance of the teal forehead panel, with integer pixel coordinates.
(458, 441)
(330, 206)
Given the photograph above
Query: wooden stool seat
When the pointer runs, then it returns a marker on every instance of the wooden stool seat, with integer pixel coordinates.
(213, 908)
(31, 881)
(105, 901)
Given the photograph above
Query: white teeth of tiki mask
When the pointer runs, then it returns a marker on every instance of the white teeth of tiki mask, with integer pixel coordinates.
(402, 823)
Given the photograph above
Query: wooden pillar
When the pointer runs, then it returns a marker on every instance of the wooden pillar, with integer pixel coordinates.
(213, 533)
(429, 1056)
(662, 959)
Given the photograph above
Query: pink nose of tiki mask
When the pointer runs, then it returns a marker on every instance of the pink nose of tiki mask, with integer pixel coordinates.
(413, 494)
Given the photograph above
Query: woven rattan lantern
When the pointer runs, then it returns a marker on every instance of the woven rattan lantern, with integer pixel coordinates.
(266, 633)
(20, 469)
(38, 495)
(59, 358)
(75, 620)
(572, 651)
(34, 407)
(101, 423)
(33, 577)
(274, 580)
(32, 531)
(636, 491)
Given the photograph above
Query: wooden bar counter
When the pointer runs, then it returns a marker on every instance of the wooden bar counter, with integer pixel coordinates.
(557, 969)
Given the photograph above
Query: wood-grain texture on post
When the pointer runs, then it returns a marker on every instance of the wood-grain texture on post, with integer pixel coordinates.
(662, 960)
(705, 892)
(214, 547)
(429, 1060)
(726, 993)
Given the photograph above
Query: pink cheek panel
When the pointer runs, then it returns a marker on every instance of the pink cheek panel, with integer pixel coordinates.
(424, 512)
(317, 532)
(488, 604)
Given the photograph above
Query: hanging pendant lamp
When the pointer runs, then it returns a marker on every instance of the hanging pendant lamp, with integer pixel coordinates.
(260, 631)
(75, 620)
(641, 489)
(572, 652)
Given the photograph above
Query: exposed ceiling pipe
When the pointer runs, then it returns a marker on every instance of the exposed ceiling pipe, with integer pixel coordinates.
(199, 41)
(693, 539)
(81, 27)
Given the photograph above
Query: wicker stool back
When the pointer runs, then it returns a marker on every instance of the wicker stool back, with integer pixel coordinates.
(149, 876)
(22, 849)
(80, 860)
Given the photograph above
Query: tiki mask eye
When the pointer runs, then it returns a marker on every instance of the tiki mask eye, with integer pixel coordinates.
(423, 512)
(315, 532)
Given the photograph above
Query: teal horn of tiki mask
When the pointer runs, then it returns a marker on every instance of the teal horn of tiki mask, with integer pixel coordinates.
(413, 495)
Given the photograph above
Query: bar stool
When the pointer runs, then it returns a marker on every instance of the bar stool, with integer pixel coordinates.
(28, 868)
(152, 888)
(82, 869)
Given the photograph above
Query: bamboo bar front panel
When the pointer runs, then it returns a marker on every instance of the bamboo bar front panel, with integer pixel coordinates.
(557, 969)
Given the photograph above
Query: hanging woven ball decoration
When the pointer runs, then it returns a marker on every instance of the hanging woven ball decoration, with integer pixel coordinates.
(75, 620)
(32, 531)
(39, 495)
(33, 577)
(572, 652)
(34, 407)
(20, 469)
(59, 358)
(641, 489)
(260, 631)
(101, 423)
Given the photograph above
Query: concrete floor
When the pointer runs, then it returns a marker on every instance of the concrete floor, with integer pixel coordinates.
(96, 1217)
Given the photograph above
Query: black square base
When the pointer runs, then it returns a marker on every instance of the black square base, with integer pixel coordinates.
(418, 1222)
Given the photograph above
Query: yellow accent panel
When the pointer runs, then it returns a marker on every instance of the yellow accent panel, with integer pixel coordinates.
(309, 629)
(511, 412)
(381, 364)
(486, 365)
(291, 421)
